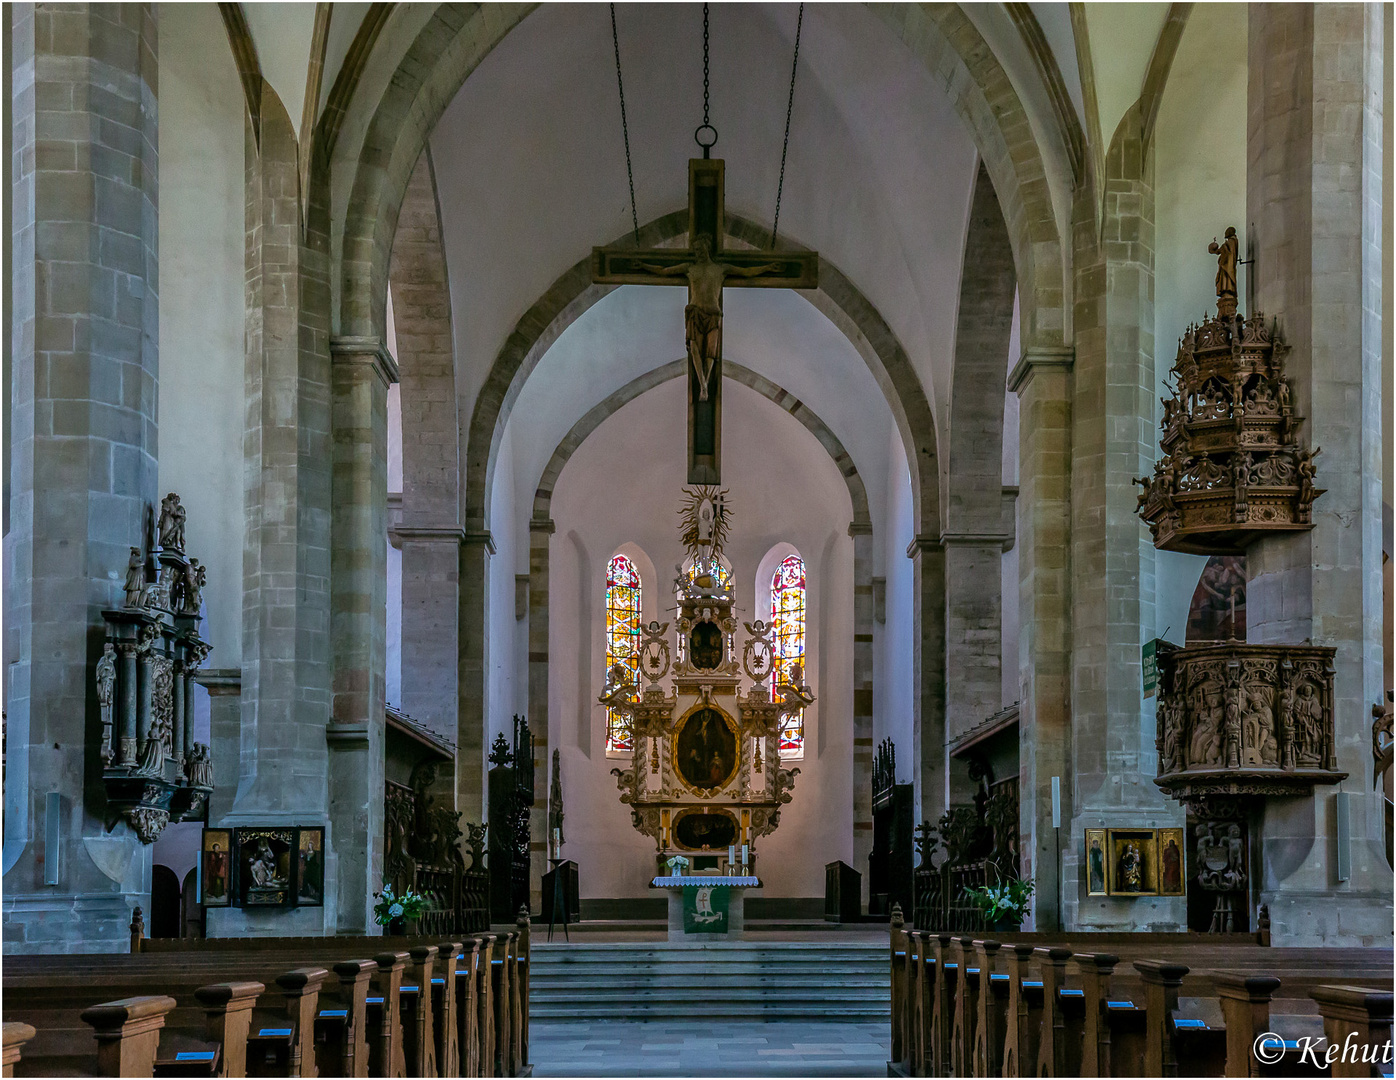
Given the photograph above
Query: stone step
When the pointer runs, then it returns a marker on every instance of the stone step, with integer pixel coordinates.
(826, 982)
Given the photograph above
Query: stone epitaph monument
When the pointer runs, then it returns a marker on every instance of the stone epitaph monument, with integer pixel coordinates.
(705, 774)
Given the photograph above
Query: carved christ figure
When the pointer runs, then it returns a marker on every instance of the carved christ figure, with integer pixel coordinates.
(703, 314)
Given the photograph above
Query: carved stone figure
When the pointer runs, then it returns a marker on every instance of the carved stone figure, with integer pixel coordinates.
(1205, 745)
(135, 578)
(198, 765)
(192, 594)
(1259, 720)
(1307, 472)
(106, 690)
(1170, 723)
(618, 688)
(171, 527)
(1308, 720)
(1381, 751)
(1227, 252)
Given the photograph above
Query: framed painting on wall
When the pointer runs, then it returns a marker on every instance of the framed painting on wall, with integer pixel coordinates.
(1172, 877)
(216, 868)
(1096, 879)
(310, 867)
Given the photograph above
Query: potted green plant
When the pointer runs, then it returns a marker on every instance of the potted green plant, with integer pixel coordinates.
(1004, 904)
(396, 912)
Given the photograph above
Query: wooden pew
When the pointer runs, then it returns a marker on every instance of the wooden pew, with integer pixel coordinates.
(897, 943)
(1053, 1053)
(16, 1035)
(386, 1053)
(228, 1020)
(943, 1011)
(918, 1001)
(445, 1022)
(301, 989)
(1357, 1023)
(128, 1034)
(468, 1006)
(1161, 982)
(989, 1020)
(1245, 1003)
(419, 1035)
(966, 1007)
(1022, 1015)
(1095, 971)
(485, 1000)
(344, 1030)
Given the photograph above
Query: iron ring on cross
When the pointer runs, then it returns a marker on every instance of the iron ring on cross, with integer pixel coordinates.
(698, 132)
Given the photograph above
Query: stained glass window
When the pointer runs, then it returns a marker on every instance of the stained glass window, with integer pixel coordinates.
(788, 637)
(622, 640)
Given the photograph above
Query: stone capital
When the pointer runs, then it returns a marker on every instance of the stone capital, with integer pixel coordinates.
(923, 543)
(218, 681)
(542, 525)
(426, 534)
(1039, 356)
(483, 537)
(861, 525)
(373, 351)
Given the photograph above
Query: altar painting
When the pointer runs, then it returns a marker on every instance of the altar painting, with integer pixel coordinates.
(704, 829)
(705, 749)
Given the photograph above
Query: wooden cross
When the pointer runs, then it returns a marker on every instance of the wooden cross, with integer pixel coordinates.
(709, 268)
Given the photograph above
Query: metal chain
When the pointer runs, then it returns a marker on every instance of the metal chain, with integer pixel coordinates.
(625, 131)
(705, 66)
(789, 107)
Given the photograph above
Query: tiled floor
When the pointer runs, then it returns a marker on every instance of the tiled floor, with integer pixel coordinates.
(696, 1049)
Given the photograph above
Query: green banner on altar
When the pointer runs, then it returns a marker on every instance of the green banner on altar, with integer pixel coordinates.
(705, 910)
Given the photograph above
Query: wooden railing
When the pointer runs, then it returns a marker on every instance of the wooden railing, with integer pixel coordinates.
(968, 1006)
(454, 1008)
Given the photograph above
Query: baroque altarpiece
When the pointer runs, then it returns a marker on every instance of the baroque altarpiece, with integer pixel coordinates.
(705, 710)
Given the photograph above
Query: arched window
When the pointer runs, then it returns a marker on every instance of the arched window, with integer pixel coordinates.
(622, 640)
(788, 606)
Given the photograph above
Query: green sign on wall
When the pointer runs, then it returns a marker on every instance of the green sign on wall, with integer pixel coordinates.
(1149, 659)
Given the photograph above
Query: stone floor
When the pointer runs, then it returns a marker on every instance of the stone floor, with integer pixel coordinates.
(698, 1049)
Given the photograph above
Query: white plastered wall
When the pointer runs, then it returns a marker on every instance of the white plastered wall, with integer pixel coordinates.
(1200, 189)
(201, 305)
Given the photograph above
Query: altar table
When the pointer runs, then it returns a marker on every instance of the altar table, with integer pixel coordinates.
(705, 905)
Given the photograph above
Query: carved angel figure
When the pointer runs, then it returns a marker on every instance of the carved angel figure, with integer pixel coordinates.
(618, 688)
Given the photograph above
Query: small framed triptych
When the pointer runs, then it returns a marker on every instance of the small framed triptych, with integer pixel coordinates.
(262, 866)
(1134, 862)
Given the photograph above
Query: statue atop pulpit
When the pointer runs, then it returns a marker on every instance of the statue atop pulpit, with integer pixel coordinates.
(705, 778)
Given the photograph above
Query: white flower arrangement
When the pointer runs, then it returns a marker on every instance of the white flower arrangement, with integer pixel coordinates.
(676, 864)
(390, 906)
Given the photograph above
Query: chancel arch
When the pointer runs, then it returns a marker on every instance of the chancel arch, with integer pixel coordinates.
(801, 495)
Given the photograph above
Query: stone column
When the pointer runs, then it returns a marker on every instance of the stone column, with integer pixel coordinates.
(1114, 439)
(472, 680)
(928, 659)
(973, 639)
(1314, 202)
(861, 530)
(1042, 380)
(84, 356)
(224, 686)
(540, 531)
(284, 702)
(430, 608)
(361, 372)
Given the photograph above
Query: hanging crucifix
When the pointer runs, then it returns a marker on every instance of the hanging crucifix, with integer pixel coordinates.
(709, 267)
